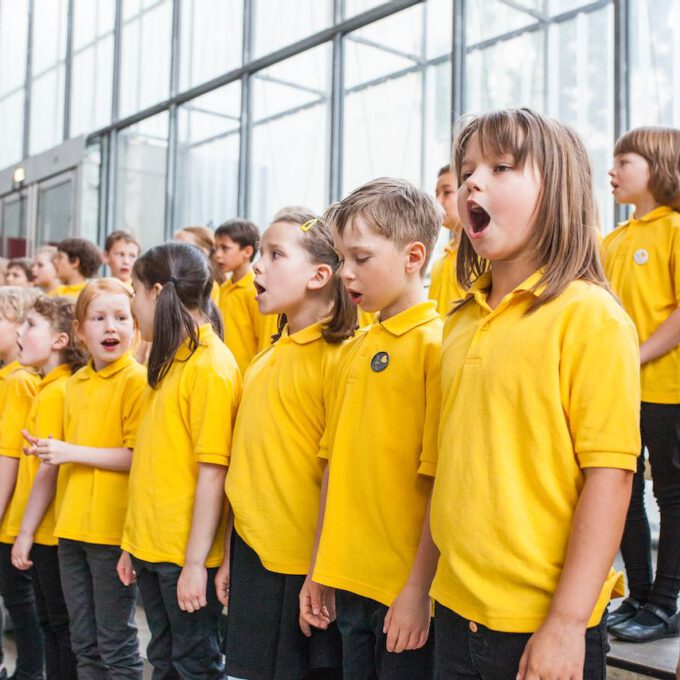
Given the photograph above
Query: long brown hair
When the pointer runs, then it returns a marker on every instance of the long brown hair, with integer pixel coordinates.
(564, 236)
(317, 240)
(184, 273)
(660, 147)
(61, 313)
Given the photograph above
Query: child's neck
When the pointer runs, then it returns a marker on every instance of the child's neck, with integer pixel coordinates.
(644, 206)
(54, 361)
(412, 295)
(9, 357)
(311, 312)
(506, 276)
(74, 279)
(238, 273)
(47, 288)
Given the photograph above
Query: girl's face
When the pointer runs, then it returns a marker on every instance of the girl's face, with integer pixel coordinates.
(8, 339)
(37, 340)
(497, 203)
(445, 193)
(108, 328)
(16, 276)
(630, 179)
(284, 272)
(44, 273)
(144, 308)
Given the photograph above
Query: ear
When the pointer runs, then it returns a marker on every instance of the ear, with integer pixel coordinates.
(416, 254)
(248, 252)
(60, 341)
(157, 288)
(322, 275)
(105, 257)
(77, 332)
(75, 263)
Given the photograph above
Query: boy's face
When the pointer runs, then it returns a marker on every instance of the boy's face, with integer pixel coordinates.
(445, 193)
(64, 267)
(374, 269)
(121, 258)
(229, 255)
(8, 339)
(630, 179)
(44, 272)
(37, 340)
(16, 276)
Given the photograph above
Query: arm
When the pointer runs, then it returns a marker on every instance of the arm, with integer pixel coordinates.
(407, 623)
(56, 452)
(663, 339)
(223, 573)
(557, 649)
(9, 467)
(208, 504)
(317, 602)
(42, 493)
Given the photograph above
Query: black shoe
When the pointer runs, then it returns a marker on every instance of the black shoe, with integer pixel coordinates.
(634, 631)
(628, 609)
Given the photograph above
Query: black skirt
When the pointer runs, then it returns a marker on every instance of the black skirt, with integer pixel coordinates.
(263, 639)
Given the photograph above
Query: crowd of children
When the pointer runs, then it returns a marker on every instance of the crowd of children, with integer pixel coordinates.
(372, 484)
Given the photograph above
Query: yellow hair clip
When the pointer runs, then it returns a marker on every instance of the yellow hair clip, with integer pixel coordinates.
(309, 224)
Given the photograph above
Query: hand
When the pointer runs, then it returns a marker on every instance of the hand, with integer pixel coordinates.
(191, 588)
(52, 451)
(556, 651)
(32, 441)
(126, 572)
(222, 582)
(407, 622)
(317, 606)
(21, 551)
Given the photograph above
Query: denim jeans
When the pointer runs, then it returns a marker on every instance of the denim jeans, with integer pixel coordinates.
(183, 645)
(17, 591)
(60, 661)
(101, 610)
(487, 654)
(360, 621)
(660, 428)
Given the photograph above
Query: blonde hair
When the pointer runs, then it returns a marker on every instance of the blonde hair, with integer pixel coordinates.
(564, 236)
(394, 208)
(660, 147)
(48, 250)
(16, 302)
(93, 290)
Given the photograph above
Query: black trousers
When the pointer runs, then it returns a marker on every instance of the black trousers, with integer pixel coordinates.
(485, 654)
(660, 428)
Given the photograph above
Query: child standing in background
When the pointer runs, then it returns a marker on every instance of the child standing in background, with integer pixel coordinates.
(246, 329)
(642, 262)
(44, 273)
(381, 441)
(538, 436)
(18, 386)
(444, 286)
(77, 260)
(47, 344)
(274, 477)
(19, 273)
(120, 252)
(102, 409)
(176, 520)
(203, 238)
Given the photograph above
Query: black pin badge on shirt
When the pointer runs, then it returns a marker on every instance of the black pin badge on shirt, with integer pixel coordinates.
(380, 361)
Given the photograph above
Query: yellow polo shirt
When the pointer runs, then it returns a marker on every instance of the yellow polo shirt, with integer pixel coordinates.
(188, 420)
(68, 291)
(45, 419)
(365, 319)
(529, 401)
(444, 287)
(18, 387)
(275, 471)
(246, 331)
(102, 409)
(642, 263)
(381, 443)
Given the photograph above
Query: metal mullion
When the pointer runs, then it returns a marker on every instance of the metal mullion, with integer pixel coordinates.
(336, 112)
(458, 56)
(423, 95)
(117, 42)
(621, 79)
(104, 175)
(68, 68)
(245, 146)
(359, 40)
(27, 82)
(171, 152)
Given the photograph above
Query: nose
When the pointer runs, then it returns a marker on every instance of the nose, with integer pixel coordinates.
(473, 181)
(257, 267)
(611, 172)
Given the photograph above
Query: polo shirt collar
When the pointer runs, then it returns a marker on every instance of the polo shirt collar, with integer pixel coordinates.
(410, 318)
(9, 369)
(661, 211)
(479, 289)
(56, 373)
(204, 333)
(106, 372)
(304, 336)
(245, 281)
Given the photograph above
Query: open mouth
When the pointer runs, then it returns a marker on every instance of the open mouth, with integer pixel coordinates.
(478, 217)
(356, 297)
(259, 288)
(110, 343)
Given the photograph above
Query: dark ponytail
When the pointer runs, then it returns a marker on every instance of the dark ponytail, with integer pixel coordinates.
(318, 242)
(186, 279)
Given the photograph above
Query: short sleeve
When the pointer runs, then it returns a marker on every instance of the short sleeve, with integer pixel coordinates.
(213, 403)
(21, 390)
(601, 387)
(675, 264)
(433, 400)
(135, 400)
